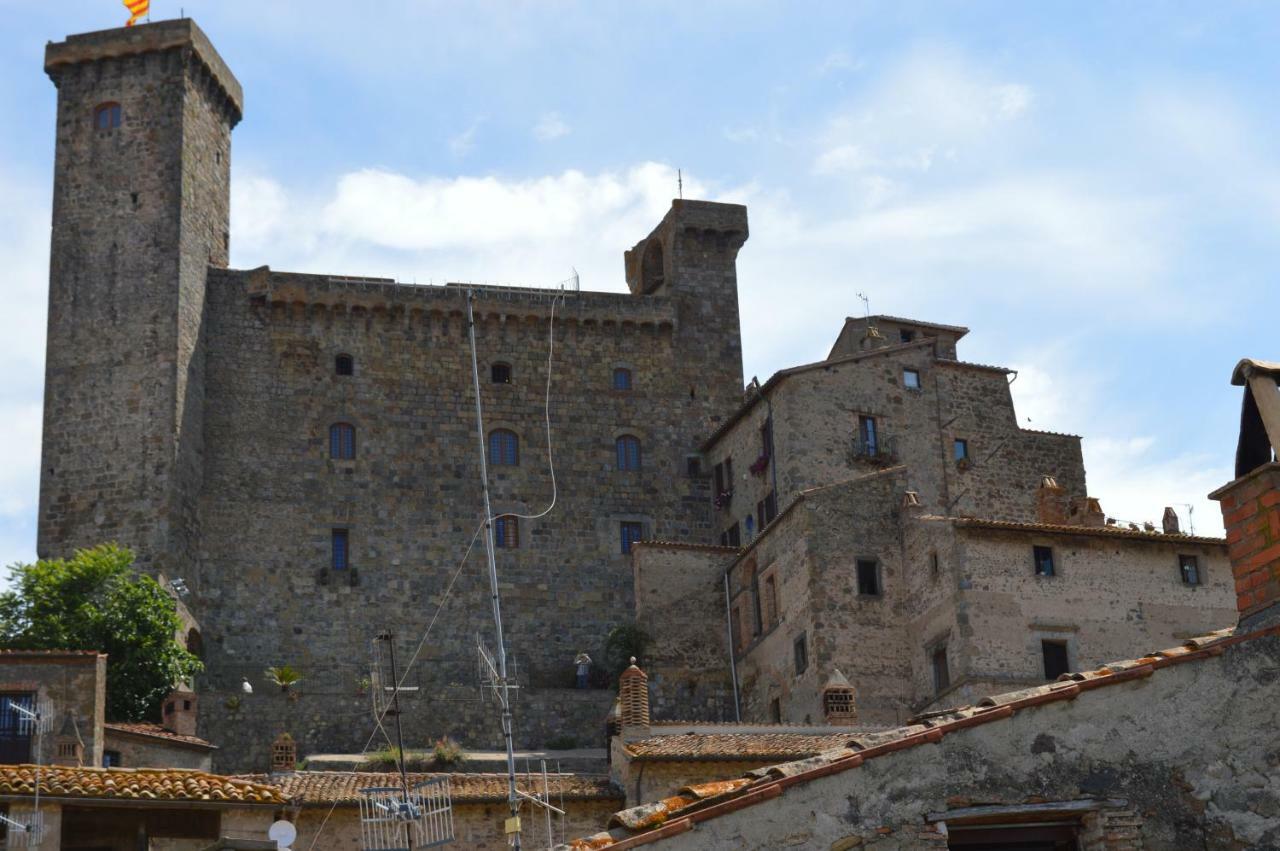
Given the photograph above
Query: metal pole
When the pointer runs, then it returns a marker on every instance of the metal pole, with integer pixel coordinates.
(733, 663)
(513, 801)
(395, 709)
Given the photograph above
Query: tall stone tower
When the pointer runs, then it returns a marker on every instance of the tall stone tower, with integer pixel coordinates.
(140, 212)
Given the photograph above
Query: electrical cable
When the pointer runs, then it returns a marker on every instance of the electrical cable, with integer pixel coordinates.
(462, 563)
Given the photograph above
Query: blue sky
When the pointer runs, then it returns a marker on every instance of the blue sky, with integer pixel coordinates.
(1093, 189)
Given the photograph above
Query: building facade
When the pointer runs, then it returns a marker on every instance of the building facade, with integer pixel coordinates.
(301, 450)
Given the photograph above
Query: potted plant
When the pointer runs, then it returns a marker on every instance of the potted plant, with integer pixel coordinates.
(284, 676)
(362, 686)
(761, 464)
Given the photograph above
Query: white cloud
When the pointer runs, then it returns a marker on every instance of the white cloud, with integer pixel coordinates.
(839, 60)
(933, 104)
(377, 222)
(550, 126)
(461, 144)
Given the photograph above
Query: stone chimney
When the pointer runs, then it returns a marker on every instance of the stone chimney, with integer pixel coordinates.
(284, 754)
(1051, 502)
(872, 339)
(1087, 511)
(68, 747)
(1251, 503)
(911, 503)
(838, 704)
(180, 713)
(633, 695)
(1170, 521)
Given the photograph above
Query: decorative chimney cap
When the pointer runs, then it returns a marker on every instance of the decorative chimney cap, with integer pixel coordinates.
(911, 500)
(1049, 483)
(1259, 414)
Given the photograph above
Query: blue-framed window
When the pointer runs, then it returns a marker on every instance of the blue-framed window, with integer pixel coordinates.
(339, 549)
(506, 532)
(621, 378)
(628, 452)
(504, 448)
(342, 441)
(107, 116)
(632, 531)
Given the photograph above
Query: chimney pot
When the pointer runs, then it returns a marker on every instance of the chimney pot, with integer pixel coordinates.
(633, 695)
(1051, 502)
(1170, 521)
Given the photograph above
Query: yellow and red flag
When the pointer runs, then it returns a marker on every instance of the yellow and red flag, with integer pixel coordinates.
(137, 8)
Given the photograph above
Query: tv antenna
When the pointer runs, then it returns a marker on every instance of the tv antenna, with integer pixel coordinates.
(866, 306)
(34, 718)
(1191, 515)
(680, 183)
(400, 818)
(512, 824)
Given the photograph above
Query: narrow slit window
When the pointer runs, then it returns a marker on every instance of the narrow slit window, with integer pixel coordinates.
(628, 452)
(342, 441)
(504, 448)
(500, 373)
(107, 116)
(621, 378)
(344, 365)
(868, 438)
(801, 651)
(1055, 659)
(506, 532)
(1043, 557)
(960, 449)
(868, 577)
(339, 549)
(941, 670)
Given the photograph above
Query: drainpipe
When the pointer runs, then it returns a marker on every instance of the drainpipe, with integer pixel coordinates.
(733, 662)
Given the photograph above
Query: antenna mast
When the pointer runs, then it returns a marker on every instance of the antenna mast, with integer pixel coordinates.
(513, 800)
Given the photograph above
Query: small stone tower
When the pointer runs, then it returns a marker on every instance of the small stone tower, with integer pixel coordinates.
(691, 257)
(141, 201)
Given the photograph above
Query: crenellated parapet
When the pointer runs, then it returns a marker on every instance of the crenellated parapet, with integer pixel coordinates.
(334, 296)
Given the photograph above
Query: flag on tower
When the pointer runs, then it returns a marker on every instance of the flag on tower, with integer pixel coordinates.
(137, 8)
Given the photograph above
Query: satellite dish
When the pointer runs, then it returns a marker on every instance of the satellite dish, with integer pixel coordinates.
(283, 832)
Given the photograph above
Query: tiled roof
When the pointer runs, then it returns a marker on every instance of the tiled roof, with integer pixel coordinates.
(902, 320)
(49, 654)
(136, 784)
(718, 747)
(969, 364)
(650, 822)
(155, 731)
(681, 545)
(1062, 529)
(343, 787)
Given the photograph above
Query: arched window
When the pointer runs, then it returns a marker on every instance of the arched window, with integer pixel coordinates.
(195, 644)
(500, 373)
(106, 116)
(344, 365)
(342, 441)
(506, 532)
(504, 448)
(621, 378)
(628, 452)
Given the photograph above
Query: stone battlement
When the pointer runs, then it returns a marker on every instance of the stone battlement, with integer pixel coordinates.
(147, 38)
(384, 295)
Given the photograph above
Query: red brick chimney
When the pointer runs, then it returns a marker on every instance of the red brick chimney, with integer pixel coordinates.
(633, 695)
(1051, 502)
(1251, 504)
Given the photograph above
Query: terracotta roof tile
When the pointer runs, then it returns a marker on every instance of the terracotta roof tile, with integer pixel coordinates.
(721, 747)
(140, 784)
(677, 814)
(343, 787)
(1057, 528)
(155, 731)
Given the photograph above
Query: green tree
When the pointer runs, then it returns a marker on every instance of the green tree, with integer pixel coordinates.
(623, 642)
(95, 601)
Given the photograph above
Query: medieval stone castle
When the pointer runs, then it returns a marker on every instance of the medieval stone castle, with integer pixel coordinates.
(300, 451)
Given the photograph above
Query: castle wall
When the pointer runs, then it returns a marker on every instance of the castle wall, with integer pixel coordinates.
(266, 594)
(680, 603)
(74, 684)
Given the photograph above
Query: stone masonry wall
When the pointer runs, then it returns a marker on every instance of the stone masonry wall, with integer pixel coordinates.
(138, 752)
(680, 603)
(816, 411)
(1199, 773)
(127, 275)
(73, 684)
(1109, 598)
